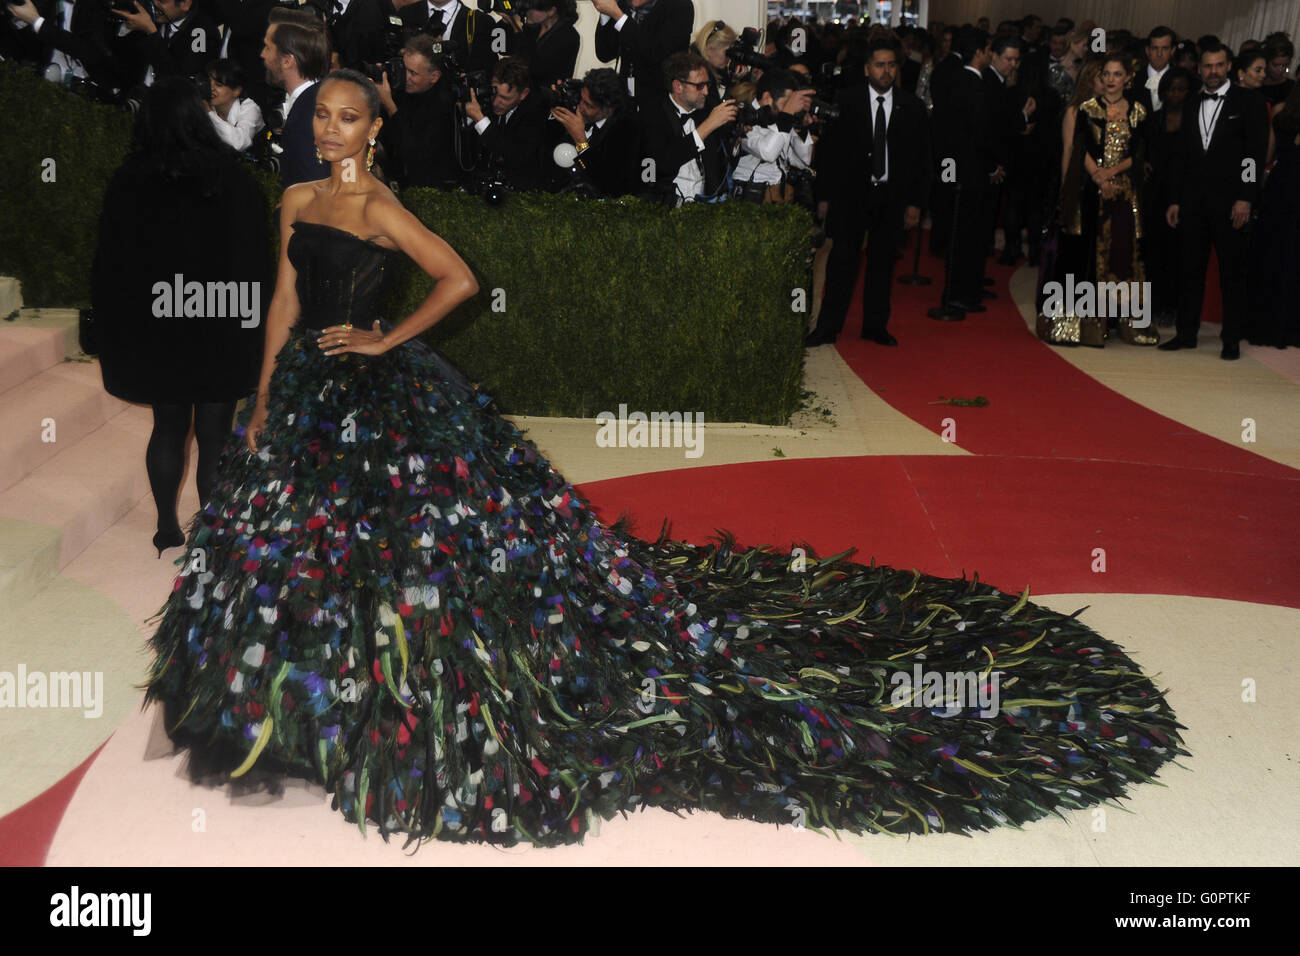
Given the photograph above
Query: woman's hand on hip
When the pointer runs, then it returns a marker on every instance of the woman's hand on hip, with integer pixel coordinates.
(346, 338)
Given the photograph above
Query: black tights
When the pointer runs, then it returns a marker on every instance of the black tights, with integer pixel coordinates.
(165, 456)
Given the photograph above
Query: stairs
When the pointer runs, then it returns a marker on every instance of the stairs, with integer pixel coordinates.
(71, 455)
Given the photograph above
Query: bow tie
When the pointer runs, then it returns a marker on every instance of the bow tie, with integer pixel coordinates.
(1211, 96)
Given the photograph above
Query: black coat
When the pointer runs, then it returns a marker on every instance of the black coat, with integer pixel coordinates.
(844, 151)
(88, 40)
(149, 231)
(420, 137)
(553, 57)
(664, 142)
(963, 131)
(1215, 178)
(174, 56)
(358, 35)
(513, 147)
(472, 30)
(298, 162)
(611, 160)
(641, 48)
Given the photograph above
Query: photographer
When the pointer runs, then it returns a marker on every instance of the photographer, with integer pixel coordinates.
(642, 34)
(604, 133)
(510, 137)
(175, 39)
(74, 38)
(453, 20)
(546, 38)
(236, 118)
(686, 147)
(419, 135)
(770, 150)
(356, 29)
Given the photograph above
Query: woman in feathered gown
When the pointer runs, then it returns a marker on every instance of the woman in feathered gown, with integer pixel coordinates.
(397, 596)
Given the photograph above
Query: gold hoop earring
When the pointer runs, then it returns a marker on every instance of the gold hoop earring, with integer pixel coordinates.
(370, 156)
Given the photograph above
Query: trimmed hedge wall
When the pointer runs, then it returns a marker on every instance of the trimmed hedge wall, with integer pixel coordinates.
(583, 305)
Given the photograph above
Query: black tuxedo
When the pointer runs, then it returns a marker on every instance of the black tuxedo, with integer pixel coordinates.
(857, 207)
(175, 55)
(298, 162)
(641, 48)
(965, 153)
(664, 141)
(1205, 184)
(419, 138)
(472, 30)
(552, 57)
(610, 161)
(87, 40)
(245, 21)
(511, 146)
(358, 33)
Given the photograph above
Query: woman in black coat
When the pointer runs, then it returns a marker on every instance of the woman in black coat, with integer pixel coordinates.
(180, 287)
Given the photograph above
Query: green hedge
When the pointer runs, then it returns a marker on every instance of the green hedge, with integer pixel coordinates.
(605, 303)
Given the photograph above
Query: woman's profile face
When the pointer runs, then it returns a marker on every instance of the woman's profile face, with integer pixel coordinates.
(342, 126)
(1252, 77)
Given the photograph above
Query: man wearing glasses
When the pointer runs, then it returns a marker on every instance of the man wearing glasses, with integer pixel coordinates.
(683, 148)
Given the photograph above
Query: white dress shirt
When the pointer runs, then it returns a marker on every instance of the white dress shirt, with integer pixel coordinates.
(690, 178)
(242, 123)
(448, 10)
(1153, 84)
(1210, 112)
(873, 96)
(293, 98)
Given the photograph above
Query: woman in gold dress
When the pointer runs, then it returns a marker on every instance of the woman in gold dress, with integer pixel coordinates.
(1100, 202)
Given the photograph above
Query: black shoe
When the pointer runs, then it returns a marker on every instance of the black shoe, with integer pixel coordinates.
(1231, 350)
(1176, 343)
(171, 538)
(965, 306)
(881, 338)
(987, 294)
(816, 337)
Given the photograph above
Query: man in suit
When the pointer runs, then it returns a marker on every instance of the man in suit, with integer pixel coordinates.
(1215, 173)
(642, 36)
(296, 55)
(875, 177)
(453, 20)
(510, 135)
(1009, 115)
(181, 43)
(966, 160)
(419, 132)
(356, 29)
(73, 37)
(946, 68)
(1160, 52)
(683, 146)
(604, 132)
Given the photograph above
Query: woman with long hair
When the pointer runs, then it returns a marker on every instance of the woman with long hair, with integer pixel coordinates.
(712, 41)
(404, 601)
(180, 282)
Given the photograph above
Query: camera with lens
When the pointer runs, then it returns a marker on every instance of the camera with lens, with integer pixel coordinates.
(755, 116)
(394, 64)
(567, 94)
(490, 184)
(480, 83)
(742, 51)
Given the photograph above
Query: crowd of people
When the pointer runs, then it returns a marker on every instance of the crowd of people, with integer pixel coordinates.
(1104, 158)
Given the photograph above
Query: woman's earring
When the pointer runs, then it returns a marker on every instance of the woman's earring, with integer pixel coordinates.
(370, 156)
(319, 157)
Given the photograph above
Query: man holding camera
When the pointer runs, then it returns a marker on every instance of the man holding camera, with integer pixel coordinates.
(874, 179)
(771, 148)
(683, 148)
(510, 136)
(470, 30)
(545, 37)
(75, 39)
(180, 43)
(604, 133)
(642, 34)
(419, 134)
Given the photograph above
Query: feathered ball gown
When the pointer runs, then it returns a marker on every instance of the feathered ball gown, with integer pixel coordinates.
(400, 598)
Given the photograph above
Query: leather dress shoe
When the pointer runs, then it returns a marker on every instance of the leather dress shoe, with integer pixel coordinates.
(816, 337)
(965, 306)
(1231, 350)
(1176, 343)
(881, 338)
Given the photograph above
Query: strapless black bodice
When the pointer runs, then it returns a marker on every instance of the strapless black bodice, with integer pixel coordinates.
(340, 275)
